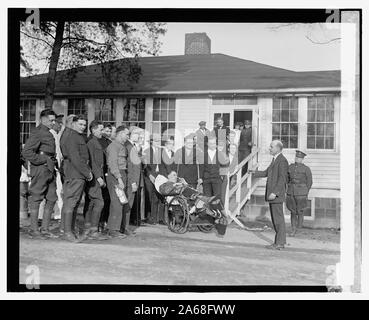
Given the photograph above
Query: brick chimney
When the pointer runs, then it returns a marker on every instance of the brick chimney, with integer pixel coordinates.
(197, 43)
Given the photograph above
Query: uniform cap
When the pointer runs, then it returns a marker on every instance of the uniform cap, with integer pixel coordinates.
(300, 154)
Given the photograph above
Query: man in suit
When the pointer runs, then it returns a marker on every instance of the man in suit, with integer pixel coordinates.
(151, 160)
(212, 163)
(202, 135)
(221, 131)
(187, 160)
(40, 151)
(245, 144)
(275, 191)
(167, 164)
(299, 183)
(134, 176)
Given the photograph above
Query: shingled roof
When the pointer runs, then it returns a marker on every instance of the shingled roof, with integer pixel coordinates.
(190, 73)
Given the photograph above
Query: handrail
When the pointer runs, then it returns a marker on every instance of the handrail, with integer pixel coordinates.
(240, 180)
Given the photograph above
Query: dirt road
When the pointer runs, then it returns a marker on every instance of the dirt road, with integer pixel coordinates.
(157, 256)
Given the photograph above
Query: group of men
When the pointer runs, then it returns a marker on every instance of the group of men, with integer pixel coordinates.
(98, 167)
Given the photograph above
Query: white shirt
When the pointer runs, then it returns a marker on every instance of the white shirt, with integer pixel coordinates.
(211, 154)
(168, 153)
(237, 136)
(57, 136)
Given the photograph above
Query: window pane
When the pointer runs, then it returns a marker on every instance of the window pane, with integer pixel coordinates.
(320, 103)
(294, 115)
(276, 103)
(285, 129)
(172, 115)
(164, 104)
(156, 105)
(311, 129)
(276, 138)
(276, 115)
(329, 143)
(156, 115)
(311, 115)
(285, 103)
(276, 129)
(141, 115)
(284, 140)
(329, 130)
(319, 142)
(172, 104)
(311, 142)
(329, 103)
(320, 129)
(285, 115)
(293, 142)
(163, 115)
(294, 129)
(311, 103)
(330, 115)
(294, 103)
(321, 116)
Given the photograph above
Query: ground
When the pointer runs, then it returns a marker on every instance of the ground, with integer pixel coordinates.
(156, 256)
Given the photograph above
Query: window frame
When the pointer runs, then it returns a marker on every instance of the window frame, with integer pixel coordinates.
(21, 122)
(127, 101)
(335, 123)
(100, 111)
(297, 122)
(160, 122)
(84, 106)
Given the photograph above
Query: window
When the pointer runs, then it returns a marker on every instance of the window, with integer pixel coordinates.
(285, 121)
(235, 100)
(77, 106)
(134, 112)
(164, 116)
(320, 123)
(105, 111)
(27, 118)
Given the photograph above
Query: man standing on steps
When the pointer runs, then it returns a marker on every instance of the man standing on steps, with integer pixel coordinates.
(275, 191)
(299, 183)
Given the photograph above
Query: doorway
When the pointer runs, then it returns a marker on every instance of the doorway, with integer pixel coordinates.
(231, 117)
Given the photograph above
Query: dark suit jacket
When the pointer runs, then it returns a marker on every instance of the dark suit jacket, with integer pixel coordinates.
(276, 175)
(188, 167)
(166, 164)
(245, 139)
(96, 157)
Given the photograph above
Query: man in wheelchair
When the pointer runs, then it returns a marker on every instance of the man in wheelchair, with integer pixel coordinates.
(209, 208)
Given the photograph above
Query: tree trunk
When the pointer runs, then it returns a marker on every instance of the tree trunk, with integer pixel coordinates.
(55, 54)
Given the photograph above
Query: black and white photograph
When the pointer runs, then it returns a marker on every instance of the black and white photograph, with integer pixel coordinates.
(185, 150)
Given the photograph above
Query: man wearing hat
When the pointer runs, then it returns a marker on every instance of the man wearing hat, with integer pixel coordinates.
(202, 135)
(299, 183)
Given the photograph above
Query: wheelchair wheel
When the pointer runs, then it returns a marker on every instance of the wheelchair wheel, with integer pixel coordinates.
(178, 215)
(206, 228)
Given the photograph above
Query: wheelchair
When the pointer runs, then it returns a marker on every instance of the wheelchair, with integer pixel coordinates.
(181, 214)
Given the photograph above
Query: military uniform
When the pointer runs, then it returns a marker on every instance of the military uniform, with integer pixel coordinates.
(76, 171)
(299, 183)
(39, 150)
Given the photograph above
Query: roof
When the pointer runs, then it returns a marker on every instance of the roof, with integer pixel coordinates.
(188, 73)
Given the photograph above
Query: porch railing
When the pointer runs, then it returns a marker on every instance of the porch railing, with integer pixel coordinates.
(242, 195)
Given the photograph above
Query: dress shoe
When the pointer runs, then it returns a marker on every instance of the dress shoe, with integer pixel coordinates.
(37, 235)
(271, 246)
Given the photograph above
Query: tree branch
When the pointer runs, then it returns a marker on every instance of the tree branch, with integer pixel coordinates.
(38, 39)
(323, 42)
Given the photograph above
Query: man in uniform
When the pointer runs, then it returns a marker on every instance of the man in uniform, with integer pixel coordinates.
(299, 183)
(39, 150)
(95, 186)
(202, 135)
(245, 144)
(76, 170)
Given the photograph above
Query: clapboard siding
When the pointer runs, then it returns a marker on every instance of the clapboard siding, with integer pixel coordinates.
(325, 165)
